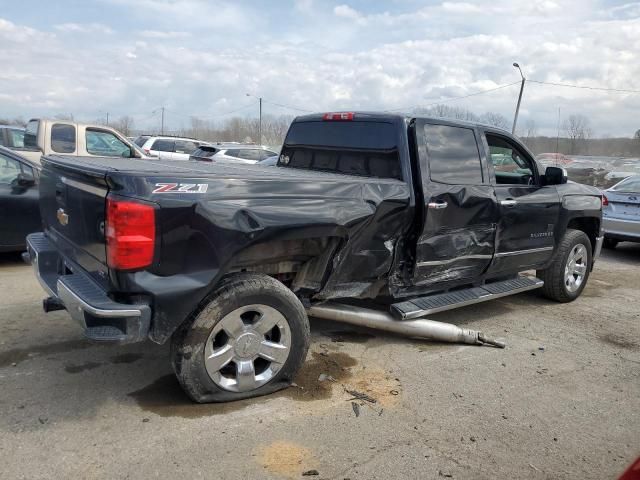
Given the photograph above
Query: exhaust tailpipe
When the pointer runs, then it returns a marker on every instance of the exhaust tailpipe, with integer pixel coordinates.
(418, 328)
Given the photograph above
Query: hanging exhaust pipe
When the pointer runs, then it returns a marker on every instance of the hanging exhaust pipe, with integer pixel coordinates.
(418, 328)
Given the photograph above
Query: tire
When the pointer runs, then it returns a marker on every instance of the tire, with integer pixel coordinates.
(610, 243)
(557, 286)
(228, 327)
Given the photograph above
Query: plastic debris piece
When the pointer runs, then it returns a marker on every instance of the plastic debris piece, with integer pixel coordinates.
(356, 408)
(360, 396)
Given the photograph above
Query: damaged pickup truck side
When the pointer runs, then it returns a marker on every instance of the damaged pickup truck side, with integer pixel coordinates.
(412, 215)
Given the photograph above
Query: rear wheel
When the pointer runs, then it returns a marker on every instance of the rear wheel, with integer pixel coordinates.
(569, 271)
(249, 338)
(610, 243)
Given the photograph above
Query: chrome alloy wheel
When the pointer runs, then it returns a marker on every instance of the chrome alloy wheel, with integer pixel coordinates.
(247, 348)
(576, 268)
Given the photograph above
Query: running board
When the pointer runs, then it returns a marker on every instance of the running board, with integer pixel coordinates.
(421, 306)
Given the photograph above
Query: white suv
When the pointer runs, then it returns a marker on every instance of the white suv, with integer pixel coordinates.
(168, 148)
(234, 152)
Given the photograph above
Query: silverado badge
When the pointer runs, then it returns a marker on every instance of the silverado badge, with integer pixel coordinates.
(63, 218)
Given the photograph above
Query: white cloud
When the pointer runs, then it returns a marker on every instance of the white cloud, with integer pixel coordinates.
(345, 11)
(83, 28)
(461, 7)
(164, 35)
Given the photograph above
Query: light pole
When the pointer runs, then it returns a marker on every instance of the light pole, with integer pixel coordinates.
(515, 118)
(259, 118)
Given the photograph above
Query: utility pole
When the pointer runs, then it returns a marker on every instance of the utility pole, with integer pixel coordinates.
(259, 116)
(162, 122)
(260, 124)
(515, 118)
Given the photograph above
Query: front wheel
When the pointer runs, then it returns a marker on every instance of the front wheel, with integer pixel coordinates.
(248, 338)
(569, 271)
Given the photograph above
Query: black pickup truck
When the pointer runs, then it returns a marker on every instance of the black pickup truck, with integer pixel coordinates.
(412, 215)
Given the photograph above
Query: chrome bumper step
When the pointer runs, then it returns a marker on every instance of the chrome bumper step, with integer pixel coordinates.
(422, 306)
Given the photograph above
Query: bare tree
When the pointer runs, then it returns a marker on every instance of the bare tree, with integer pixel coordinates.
(531, 129)
(124, 125)
(577, 130)
(495, 120)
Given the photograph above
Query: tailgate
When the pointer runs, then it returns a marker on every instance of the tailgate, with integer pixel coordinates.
(72, 205)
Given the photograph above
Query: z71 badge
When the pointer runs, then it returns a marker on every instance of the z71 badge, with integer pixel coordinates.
(181, 188)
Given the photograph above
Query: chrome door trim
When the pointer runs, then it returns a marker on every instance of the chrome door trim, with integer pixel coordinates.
(523, 252)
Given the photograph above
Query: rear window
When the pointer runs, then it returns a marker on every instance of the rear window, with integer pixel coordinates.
(204, 152)
(63, 138)
(628, 185)
(140, 141)
(353, 148)
(16, 138)
(31, 134)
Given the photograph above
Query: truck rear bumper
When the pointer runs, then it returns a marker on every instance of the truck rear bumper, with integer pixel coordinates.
(102, 318)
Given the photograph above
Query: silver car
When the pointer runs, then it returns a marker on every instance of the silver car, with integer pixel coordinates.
(621, 212)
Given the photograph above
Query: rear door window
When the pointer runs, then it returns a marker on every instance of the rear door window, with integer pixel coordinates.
(249, 154)
(163, 145)
(63, 138)
(348, 147)
(453, 155)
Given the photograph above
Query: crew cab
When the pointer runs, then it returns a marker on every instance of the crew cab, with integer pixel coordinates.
(62, 137)
(225, 260)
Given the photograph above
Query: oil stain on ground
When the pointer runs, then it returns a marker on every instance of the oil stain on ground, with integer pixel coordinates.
(165, 396)
(286, 459)
(350, 336)
(82, 367)
(126, 358)
(19, 355)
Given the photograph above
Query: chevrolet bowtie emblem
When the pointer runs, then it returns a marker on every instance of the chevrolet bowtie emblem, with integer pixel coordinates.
(63, 218)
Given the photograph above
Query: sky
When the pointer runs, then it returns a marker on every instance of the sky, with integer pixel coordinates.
(202, 57)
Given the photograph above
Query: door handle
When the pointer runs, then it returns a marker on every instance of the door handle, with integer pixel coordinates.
(509, 202)
(437, 205)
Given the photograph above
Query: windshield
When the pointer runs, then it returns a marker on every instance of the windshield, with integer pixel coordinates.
(631, 185)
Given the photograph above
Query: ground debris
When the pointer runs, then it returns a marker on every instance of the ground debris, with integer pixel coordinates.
(359, 396)
(310, 473)
(356, 408)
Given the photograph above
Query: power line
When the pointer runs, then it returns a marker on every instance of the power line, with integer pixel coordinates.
(455, 98)
(604, 89)
(286, 106)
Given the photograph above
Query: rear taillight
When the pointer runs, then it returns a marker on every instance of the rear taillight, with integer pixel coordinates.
(339, 116)
(605, 200)
(130, 232)
(147, 151)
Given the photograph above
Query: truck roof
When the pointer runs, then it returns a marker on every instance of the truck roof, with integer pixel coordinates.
(394, 117)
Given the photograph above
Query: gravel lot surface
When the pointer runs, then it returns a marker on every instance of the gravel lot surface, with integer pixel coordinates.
(561, 401)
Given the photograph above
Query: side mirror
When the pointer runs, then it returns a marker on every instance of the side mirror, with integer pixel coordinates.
(25, 180)
(555, 176)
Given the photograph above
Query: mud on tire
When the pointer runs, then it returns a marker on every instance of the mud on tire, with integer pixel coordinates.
(228, 327)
